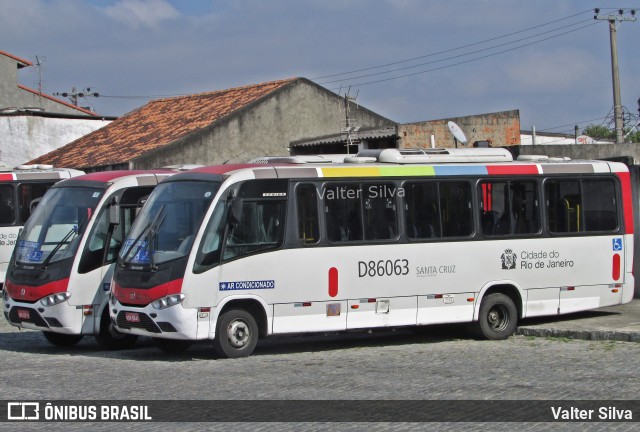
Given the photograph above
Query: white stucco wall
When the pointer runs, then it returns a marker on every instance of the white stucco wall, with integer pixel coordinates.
(24, 138)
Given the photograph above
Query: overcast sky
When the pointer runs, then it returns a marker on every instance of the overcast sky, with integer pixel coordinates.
(548, 58)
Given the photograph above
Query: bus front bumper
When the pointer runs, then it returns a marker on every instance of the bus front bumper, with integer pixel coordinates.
(174, 322)
(60, 318)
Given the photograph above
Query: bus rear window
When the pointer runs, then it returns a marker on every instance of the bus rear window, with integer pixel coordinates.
(587, 205)
(29, 195)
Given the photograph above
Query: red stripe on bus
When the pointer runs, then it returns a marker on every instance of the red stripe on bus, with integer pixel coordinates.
(34, 293)
(6, 177)
(333, 282)
(627, 201)
(512, 169)
(616, 267)
(137, 296)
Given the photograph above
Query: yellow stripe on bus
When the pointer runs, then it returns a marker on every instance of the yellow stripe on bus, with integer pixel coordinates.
(394, 171)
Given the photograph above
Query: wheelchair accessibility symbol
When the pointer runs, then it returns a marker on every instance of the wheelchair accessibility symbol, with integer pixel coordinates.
(617, 244)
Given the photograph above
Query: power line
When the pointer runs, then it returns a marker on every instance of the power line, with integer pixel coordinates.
(573, 124)
(453, 49)
(465, 54)
(468, 61)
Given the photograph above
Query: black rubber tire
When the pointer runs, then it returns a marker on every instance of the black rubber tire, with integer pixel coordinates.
(236, 334)
(498, 317)
(172, 346)
(62, 340)
(110, 338)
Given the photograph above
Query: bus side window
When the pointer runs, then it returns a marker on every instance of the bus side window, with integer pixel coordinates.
(379, 211)
(455, 209)
(563, 206)
(261, 227)
(509, 207)
(307, 207)
(7, 205)
(599, 205)
(27, 194)
(343, 212)
(422, 210)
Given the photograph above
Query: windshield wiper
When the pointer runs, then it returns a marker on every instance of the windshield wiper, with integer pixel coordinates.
(75, 230)
(149, 231)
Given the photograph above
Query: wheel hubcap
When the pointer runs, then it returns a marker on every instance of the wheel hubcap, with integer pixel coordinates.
(498, 318)
(238, 333)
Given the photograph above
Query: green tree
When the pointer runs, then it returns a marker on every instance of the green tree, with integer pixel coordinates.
(634, 137)
(600, 132)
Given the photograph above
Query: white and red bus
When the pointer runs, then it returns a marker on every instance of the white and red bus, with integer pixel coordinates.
(388, 238)
(60, 273)
(20, 190)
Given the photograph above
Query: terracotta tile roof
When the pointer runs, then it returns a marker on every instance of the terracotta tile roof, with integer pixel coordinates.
(21, 62)
(154, 125)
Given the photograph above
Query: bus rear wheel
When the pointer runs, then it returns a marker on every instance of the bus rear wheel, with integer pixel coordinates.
(62, 340)
(110, 338)
(497, 318)
(236, 334)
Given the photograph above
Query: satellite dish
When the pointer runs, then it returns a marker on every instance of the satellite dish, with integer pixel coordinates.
(457, 133)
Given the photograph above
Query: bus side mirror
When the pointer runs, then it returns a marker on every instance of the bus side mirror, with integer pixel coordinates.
(114, 212)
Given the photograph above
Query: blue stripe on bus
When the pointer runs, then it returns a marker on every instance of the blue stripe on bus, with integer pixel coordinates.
(460, 170)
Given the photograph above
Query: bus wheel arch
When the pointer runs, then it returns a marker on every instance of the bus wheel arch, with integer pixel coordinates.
(109, 337)
(239, 326)
(499, 309)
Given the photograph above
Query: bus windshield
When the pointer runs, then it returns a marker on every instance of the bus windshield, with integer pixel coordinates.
(165, 228)
(53, 231)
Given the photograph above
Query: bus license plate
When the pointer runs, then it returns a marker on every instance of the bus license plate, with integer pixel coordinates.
(23, 314)
(132, 317)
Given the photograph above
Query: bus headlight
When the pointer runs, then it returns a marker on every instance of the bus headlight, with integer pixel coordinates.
(112, 299)
(168, 301)
(55, 299)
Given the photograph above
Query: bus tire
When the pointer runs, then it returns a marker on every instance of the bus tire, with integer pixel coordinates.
(110, 338)
(236, 334)
(172, 346)
(497, 318)
(62, 340)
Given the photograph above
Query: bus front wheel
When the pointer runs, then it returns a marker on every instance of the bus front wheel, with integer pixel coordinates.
(497, 318)
(236, 334)
(110, 338)
(62, 340)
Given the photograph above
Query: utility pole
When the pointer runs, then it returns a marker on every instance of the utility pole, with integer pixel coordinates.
(617, 104)
(75, 94)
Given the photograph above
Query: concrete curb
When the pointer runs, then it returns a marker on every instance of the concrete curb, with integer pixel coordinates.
(594, 335)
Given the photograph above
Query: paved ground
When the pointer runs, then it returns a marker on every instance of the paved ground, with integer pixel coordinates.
(611, 323)
(439, 364)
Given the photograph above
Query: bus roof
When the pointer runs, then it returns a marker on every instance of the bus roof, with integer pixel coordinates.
(37, 172)
(403, 163)
(105, 178)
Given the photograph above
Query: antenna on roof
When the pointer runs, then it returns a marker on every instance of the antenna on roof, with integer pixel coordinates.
(350, 125)
(39, 66)
(457, 133)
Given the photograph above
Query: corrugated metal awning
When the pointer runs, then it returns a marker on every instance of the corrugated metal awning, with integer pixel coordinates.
(358, 135)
